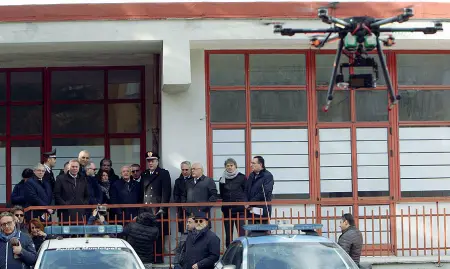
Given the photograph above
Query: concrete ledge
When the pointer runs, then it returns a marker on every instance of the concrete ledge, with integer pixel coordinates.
(176, 66)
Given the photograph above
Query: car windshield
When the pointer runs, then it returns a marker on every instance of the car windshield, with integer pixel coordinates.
(298, 255)
(89, 258)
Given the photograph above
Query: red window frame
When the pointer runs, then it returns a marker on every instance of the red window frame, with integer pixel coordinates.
(398, 123)
(248, 125)
(47, 135)
(312, 124)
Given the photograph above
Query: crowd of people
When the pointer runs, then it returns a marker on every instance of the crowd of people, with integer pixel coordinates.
(81, 183)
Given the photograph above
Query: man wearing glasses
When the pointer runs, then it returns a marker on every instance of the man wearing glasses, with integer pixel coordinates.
(202, 245)
(95, 194)
(178, 189)
(136, 172)
(17, 250)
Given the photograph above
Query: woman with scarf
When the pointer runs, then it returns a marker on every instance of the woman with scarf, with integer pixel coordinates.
(17, 250)
(105, 187)
(231, 185)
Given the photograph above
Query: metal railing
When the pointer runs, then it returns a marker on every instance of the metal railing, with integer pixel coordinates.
(412, 230)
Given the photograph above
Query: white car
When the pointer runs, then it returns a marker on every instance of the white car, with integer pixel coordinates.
(87, 253)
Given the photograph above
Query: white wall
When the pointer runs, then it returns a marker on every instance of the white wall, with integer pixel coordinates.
(183, 121)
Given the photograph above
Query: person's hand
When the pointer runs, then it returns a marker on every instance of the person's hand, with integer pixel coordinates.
(195, 266)
(94, 212)
(50, 211)
(246, 206)
(41, 233)
(17, 249)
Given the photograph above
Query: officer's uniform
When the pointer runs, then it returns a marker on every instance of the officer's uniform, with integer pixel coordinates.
(156, 189)
(49, 176)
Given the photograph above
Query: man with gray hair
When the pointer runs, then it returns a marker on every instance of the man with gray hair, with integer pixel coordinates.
(72, 189)
(178, 190)
(38, 192)
(199, 189)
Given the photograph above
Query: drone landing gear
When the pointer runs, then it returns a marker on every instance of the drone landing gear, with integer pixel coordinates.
(333, 76)
(392, 97)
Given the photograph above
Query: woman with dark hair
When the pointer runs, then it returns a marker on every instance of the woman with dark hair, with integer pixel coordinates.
(106, 166)
(18, 193)
(232, 186)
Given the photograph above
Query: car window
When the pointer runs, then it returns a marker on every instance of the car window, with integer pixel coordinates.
(238, 255)
(229, 254)
(298, 255)
(89, 258)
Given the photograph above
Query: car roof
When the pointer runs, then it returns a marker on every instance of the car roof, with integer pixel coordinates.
(287, 238)
(86, 242)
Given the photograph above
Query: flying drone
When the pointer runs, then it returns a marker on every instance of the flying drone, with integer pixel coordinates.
(357, 36)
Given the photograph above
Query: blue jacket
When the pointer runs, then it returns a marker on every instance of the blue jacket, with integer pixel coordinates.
(95, 194)
(18, 194)
(38, 193)
(27, 258)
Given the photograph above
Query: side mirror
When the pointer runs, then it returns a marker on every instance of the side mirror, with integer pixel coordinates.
(229, 266)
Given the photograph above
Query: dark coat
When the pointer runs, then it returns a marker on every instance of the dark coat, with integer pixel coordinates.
(18, 194)
(204, 191)
(141, 235)
(233, 190)
(38, 193)
(256, 183)
(203, 249)
(95, 194)
(179, 189)
(50, 177)
(27, 258)
(351, 241)
(70, 191)
(156, 187)
(121, 194)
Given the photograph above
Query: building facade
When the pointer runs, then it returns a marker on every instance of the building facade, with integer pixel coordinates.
(208, 81)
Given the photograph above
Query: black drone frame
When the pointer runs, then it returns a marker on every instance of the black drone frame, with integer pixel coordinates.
(360, 27)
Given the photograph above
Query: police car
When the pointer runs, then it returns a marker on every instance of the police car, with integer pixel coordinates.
(299, 247)
(86, 252)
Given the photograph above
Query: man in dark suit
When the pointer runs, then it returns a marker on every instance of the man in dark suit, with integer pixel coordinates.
(49, 163)
(38, 192)
(178, 190)
(72, 189)
(157, 189)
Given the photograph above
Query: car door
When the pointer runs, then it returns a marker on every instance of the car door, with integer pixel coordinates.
(227, 257)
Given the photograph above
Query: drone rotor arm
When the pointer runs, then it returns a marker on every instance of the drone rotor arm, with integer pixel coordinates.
(291, 31)
(407, 13)
(425, 30)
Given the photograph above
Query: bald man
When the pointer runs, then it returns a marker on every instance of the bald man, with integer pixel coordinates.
(199, 188)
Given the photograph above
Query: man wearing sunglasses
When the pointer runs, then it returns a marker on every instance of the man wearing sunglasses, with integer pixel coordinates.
(202, 245)
(136, 172)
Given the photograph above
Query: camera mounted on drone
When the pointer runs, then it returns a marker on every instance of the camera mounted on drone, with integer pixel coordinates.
(357, 36)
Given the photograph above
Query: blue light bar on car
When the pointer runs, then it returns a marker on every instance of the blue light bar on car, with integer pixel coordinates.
(274, 227)
(88, 229)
